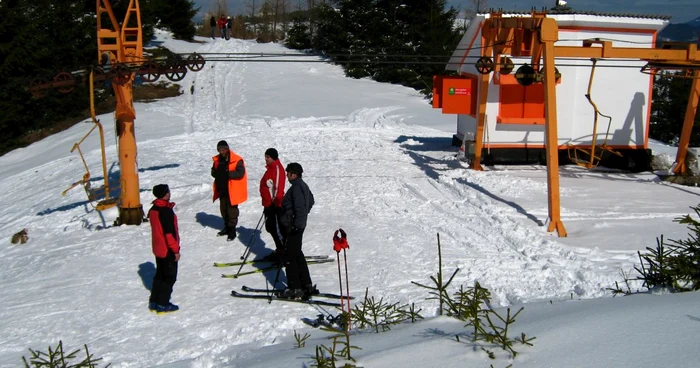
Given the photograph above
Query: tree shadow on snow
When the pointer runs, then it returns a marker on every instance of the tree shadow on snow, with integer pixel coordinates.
(425, 144)
(113, 178)
(514, 205)
(428, 164)
(146, 271)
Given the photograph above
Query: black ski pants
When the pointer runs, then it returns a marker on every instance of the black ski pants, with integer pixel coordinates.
(272, 227)
(294, 262)
(163, 281)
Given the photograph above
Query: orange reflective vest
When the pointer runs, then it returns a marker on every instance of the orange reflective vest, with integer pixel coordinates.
(237, 188)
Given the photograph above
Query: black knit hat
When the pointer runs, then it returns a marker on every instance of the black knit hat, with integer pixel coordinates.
(295, 168)
(272, 153)
(221, 144)
(161, 190)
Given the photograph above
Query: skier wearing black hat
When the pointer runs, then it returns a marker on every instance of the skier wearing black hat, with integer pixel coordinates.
(165, 241)
(230, 186)
(296, 204)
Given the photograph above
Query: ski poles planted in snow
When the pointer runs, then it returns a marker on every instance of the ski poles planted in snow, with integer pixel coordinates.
(341, 243)
(247, 251)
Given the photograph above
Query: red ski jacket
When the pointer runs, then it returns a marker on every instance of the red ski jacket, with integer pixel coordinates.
(164, 231)
(272, 184)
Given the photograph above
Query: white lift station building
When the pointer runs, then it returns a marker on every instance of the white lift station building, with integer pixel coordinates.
(617, 92)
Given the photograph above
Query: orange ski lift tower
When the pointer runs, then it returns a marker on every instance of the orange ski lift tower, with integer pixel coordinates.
(120, 58)
(534, 36)
(122, 45)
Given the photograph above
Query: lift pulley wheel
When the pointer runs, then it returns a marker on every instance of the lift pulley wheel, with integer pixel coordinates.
(65, 82)
(506, 65)
(176, 70)
(557, 75)
(149, 71)
(484, 65)
(37, 87)
(525, 75)
(195, 62)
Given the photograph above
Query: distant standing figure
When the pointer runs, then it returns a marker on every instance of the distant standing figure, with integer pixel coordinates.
(272, 191)
(222, 26)
(212, 25)
(296, 204)
(165, 240)
(230, 186)
(229, 25)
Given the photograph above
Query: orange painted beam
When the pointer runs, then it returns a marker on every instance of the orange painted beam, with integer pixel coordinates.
(124, 44)
(551, 134)
(606, 50)
(691, 109)
(481, 109)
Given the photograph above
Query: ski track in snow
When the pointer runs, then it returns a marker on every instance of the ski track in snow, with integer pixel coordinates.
(391, 193)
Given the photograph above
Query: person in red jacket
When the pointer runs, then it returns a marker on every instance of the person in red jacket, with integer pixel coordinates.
(165, 240)
(222, 26)
(272, 191)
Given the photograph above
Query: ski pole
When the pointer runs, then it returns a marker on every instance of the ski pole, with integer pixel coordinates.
(250, 241)
(247, 251)
(280, 259)
(340, 281)
(347, 279)
(340, 242)
(279, 269)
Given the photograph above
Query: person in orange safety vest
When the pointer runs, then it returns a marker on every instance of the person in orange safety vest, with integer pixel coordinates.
(230, 187)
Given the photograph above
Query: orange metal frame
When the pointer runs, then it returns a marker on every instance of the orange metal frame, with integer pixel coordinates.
(123, 44)
(535, 36)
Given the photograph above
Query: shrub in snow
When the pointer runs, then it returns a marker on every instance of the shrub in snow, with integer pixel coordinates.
(473, 306)
(57, 358)
(673, 265)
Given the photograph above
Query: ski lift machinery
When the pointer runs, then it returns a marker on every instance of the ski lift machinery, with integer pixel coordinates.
(120, 58)
(588, 158)
(534, 36)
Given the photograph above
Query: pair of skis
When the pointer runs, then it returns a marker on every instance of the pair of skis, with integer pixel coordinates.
(275, 295)
(272, 265)
(255, 261)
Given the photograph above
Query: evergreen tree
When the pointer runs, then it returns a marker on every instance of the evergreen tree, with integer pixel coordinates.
(41, 38)
(330, 36)
(376, 37)
(299, 37)
(670, 98)
(433, 36)
(176, 15)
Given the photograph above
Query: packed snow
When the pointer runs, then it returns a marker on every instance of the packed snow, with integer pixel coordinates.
(379, 162)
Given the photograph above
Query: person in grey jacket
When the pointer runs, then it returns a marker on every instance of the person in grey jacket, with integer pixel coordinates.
(296, 204)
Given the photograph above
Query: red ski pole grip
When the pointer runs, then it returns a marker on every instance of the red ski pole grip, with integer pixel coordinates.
(340, 242)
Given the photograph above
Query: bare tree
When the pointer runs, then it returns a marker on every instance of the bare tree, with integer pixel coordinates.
(252, 6)
(221, 7)
(284, 10)
(477, 6)
(275, 18)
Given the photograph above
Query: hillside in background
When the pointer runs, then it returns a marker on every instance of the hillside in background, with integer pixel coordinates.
(681, 32)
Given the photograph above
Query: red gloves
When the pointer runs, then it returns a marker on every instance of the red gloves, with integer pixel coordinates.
(340, 242)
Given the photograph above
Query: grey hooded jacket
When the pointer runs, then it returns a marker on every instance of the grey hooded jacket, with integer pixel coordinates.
(296, 205)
